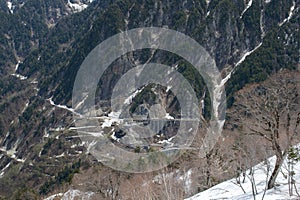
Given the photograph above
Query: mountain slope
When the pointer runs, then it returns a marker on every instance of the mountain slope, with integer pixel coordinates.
(43, 45)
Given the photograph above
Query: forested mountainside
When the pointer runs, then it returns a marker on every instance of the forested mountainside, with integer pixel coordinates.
(42, 45)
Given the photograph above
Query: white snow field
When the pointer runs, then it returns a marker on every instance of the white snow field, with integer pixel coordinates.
(231, 190)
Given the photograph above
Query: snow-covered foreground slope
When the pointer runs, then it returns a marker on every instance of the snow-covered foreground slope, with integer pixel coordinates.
(231, 190)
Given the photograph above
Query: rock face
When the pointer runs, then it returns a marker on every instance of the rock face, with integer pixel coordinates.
(46, 42)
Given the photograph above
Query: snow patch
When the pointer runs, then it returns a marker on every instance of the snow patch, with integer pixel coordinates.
(207, 14)
(7, 134)
(79, 152)
(249, 4)
(17, 66)
(290, 14)
(176, 67)
(81, 103)
(46, 134)
(12, 152)
(113, 117)
(218, 87)
(247, 54)
(128, 100)
(61, 155)
(62, 106)
(20, 160)
(58, 129)
(81, 127)
(168, 116)
(10, 7)
(114, 137)
(168, 88)
(19, 76)
(167, 142)
(54, 196)
(25, 107)
(207, 2)
(34, 81)
(77, 7)
(3, 170)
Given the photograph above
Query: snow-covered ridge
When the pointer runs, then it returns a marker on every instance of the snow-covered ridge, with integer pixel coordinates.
(231, 189)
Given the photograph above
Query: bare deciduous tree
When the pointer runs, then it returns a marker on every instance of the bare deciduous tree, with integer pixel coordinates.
(271, 110)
